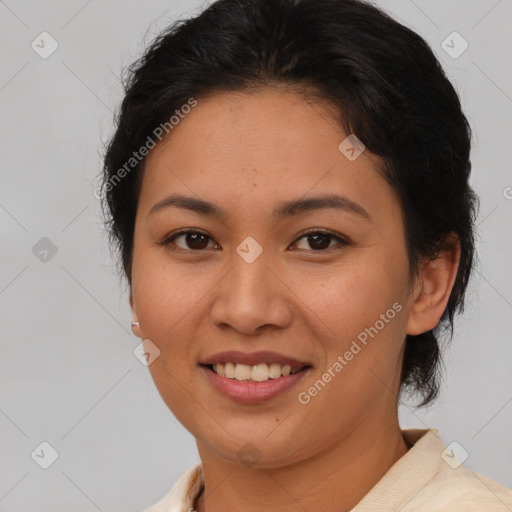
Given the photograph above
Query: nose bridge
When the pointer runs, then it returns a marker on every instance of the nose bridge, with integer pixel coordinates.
(250, 277)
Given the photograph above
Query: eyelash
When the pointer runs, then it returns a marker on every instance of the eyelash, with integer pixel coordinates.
(342, 241)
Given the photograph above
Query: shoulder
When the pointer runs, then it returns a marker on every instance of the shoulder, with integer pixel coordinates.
(183, 493)
(430, 478)
(461, 490)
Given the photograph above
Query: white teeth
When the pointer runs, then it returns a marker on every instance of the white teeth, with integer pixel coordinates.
(229, 370)
(259, 373)
(274, 371)
(219, 369)
(242, 372)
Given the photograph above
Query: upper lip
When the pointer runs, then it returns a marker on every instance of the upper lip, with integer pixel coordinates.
(253, 358)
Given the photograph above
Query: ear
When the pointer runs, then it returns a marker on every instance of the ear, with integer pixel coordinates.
(135, 318)
(432, 289)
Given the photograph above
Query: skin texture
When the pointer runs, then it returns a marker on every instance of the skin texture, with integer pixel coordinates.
(248, 154)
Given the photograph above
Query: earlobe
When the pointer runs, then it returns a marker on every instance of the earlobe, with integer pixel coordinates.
(135, 320)
(432, 291)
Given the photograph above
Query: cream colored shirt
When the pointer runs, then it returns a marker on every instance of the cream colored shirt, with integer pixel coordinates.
(428, 478)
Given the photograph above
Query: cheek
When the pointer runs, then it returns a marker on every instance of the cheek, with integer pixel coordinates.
(361, 309)
(168, 305)
(165, 295)
(349, 297)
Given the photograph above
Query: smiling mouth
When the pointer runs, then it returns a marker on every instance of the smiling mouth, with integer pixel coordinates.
(256, 373)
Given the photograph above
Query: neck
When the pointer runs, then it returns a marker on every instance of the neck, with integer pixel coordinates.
(334, 480)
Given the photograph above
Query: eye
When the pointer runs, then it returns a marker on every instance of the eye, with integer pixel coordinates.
(196, 240)
(320, 240)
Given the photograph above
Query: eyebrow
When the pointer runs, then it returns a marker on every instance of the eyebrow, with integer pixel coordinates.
(286, 209)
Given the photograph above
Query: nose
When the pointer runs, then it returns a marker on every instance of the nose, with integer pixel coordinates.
(251, 298)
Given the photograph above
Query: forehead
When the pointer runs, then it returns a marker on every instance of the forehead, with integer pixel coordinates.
(258, 147)
(264, 126)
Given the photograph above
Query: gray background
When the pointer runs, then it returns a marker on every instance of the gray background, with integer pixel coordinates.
(68, 374)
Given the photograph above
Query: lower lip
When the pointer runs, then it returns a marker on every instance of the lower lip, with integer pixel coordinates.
(251, 392)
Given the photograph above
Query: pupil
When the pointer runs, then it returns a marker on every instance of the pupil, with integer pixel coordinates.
(194, 237)
(322, 246)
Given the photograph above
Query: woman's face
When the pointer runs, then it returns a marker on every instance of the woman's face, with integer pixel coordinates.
(336, 300)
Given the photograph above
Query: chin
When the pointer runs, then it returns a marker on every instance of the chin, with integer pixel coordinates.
(256, 451)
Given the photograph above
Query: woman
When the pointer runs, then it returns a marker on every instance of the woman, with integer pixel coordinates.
(288, 191)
